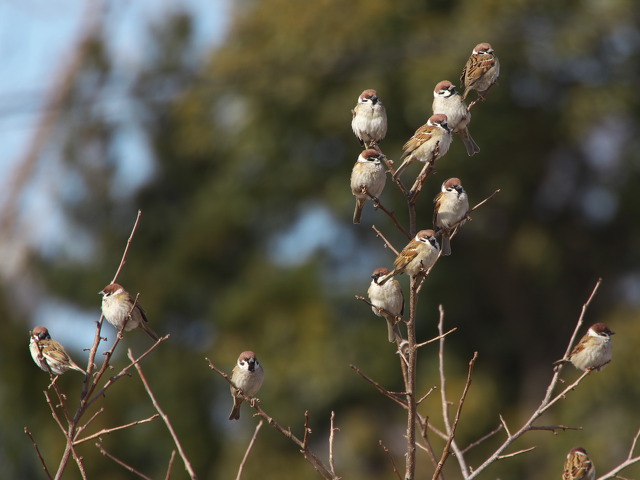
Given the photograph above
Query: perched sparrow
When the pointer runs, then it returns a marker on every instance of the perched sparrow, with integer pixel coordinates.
(578, 466)
(419, 254)
(369, 121)
(594, 350)
(481, 71)
(447, 100)
(45, 351)
(390, 298)
(369, 171)
(247, 375)
(452, 206)
(430, 142)
(116, 305)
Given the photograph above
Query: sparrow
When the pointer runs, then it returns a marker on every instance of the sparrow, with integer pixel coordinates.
(593, 351)
(452, 205)
(116, 306)
(578, 466)
(447, 100)
(390, 298)
(368, 171)
(369, 122)
(481, 71)
(429, 143)
(47, 352)
(248, 376)
(420, 254)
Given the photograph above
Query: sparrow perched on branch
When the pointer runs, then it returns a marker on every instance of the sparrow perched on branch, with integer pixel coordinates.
(368, 171)
(452, 205)
(388, 297)
(419, 255)
(593, 351)
(447, 100)
(429, 143)
(248, 376)
(369, 122)
(116, 308)
(578, 466)
(481, 71)
(46, 351)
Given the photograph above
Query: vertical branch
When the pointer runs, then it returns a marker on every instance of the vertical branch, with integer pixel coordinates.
(249, 447)
(410, 387)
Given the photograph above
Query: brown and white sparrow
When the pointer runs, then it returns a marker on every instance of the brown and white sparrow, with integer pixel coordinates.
(369, 122)
(452, 205)
(578, 466)
(420, 254)
(447, 100)
(368, 171)
(481, 71)
(248, 376)
(594, 350)
(389, 297)
(116, 307)
(429, 143)
(46, 351)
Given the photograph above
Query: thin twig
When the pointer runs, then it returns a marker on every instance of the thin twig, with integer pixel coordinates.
(627, 463)
(307, 431)
(249, 447)
(164, 416)
(106, 431)
(378, 204)
(121, 463)
(390, 457)
(436, 338)
(392, 395)
(35, 445)
(482, 439)
(427, 447)
(332, 431)
(387, 242)
(426, 395)
(126, 248)
(170, 466)
(509, 455)
(445, 450)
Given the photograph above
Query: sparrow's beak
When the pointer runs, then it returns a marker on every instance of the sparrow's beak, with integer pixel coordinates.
(252, 364)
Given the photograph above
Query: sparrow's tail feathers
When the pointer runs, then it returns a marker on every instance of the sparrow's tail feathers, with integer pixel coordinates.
(404, 165)
(471, 146)
(446, 245)
(357, 213)
(393, 331)
(150, 332)
(386, 278)
(75, 367)
(235, 411)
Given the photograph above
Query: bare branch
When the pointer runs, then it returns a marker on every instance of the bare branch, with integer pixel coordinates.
(392, 395)
(378, 204)
(436, 338)
(35, 445)
(387, 242)
(106, 431)
(482, 439)
(332, 432)
(121, 463)
(390, 457)
(164, 416)
(170, 466)
(627, 463)
(509, 455)
(249, 447)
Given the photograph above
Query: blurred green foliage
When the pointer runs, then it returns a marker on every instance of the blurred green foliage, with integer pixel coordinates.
(247, 142)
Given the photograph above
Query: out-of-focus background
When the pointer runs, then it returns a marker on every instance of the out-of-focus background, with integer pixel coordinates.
(228, 124)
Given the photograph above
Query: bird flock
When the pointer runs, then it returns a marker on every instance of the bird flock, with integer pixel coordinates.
(429, 143)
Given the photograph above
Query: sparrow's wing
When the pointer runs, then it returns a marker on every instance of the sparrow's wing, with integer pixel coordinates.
(577, 467)
(403, 259)
(353, 113)
(436, 209)
(579, 347)
(476, 67)
(52, 350)
(422, 135)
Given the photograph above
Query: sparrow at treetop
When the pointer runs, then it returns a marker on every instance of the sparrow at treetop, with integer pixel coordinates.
(429, 143)
(448, 101)
(248, 376)
(593, 351)
(420, 254)
(46, 351)
(389, 297)
(116, 306)
(368, 171)
(481, 71)
(452, 205)
(369, 122)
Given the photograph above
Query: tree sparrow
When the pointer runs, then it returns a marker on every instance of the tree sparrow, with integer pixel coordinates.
(447, 100)
(369, 121)
(420, 254)
(116, 308)
(578, 466)
(452, 206)
(390, 298)
(593, 351)
(429, 143)
(247, 375)
(46, 351)
(481, 71)
(368, 171)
